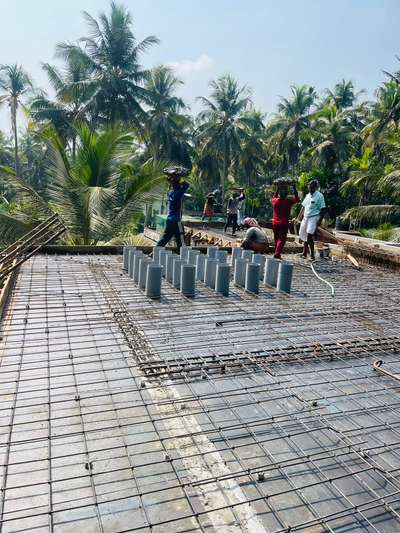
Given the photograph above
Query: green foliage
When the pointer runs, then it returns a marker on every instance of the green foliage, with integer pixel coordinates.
(93, 151)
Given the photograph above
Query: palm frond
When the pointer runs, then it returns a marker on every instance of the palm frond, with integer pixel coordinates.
(13, 226)
(373, 214)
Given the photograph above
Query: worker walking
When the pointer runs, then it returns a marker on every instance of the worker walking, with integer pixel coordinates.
(310, 216)
(208, 210)
(232, 211)
(241, 213)
(282, 205)
(177, 189)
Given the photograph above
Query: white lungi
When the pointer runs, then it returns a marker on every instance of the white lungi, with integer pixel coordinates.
(308, 226)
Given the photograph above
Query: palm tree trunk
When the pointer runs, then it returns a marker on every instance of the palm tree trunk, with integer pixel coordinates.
(14, 106)
(224, 176)
(73, 146)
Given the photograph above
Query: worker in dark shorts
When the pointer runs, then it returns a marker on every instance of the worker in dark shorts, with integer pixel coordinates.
(232, 211)
(177, 189)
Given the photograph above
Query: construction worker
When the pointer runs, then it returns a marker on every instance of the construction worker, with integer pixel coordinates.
(310, 216)
(232, 210)
(209, 204)
(254, 239)
(241, 213)
(282, 205)
(177, 189)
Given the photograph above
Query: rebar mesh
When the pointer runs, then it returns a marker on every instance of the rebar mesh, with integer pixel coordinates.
(245, 413)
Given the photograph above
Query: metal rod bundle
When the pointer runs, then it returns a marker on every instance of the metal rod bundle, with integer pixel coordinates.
(21, 250)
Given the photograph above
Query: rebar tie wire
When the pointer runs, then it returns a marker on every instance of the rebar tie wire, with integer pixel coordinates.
(378, 367)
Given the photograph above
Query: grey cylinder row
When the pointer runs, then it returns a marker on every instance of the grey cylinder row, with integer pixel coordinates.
(278, 274)
(213, 269)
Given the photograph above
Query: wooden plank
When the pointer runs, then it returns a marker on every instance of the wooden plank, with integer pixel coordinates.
(5, 290)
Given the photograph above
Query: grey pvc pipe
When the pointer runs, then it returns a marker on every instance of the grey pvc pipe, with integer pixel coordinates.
(156, 253)
(136, 262)
(200, 266)
(252, 277)
(236, 253)
(143, 266)
(188, 280)
(169, 268)
(222, 256)
(153, 281)
(247, 254)
(239, 274)
(212, 252)
(125, 256)
(210, 272)
(192, 257)
(223, 277)
(271, 271)
(285, 275)
(184, 252)
(260, 259)
(163, 259)
(131, 257)
(176, 276)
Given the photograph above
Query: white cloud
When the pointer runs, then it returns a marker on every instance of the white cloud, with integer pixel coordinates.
(190, 68)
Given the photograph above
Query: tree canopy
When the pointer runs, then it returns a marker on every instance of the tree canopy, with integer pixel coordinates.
(93, 150)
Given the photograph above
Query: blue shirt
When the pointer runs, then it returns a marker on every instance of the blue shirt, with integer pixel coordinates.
(175, 202)
(313, 204)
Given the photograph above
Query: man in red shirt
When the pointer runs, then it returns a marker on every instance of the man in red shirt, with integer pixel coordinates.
(282, 205)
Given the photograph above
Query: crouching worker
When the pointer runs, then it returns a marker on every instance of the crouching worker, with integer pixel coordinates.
(310, 216)
(282, 205)
(177, 189)
(255, 239)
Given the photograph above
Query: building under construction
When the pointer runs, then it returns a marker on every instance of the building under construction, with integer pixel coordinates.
(246, 412)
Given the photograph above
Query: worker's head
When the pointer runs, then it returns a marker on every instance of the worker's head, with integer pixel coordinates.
(313, 185)
(249, 222)
(282, 187)
(174, 175)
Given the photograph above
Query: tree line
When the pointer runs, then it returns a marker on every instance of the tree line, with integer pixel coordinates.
(94, 152)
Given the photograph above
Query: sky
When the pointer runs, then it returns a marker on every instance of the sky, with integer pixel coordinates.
(267, 45)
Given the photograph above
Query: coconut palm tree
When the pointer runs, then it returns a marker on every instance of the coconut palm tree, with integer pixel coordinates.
(221, 123)
(112, 55)
(166, 128)
(97, 193)
(250, 164)
(380, 181)
(286, 133)
(333, 138)
(72, 96)
(343, 95)
(385, 113)
(15, 83)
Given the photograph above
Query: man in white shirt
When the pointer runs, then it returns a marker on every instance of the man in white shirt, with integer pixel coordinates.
(311, 215)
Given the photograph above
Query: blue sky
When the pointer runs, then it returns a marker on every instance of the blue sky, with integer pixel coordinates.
(266, 44)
